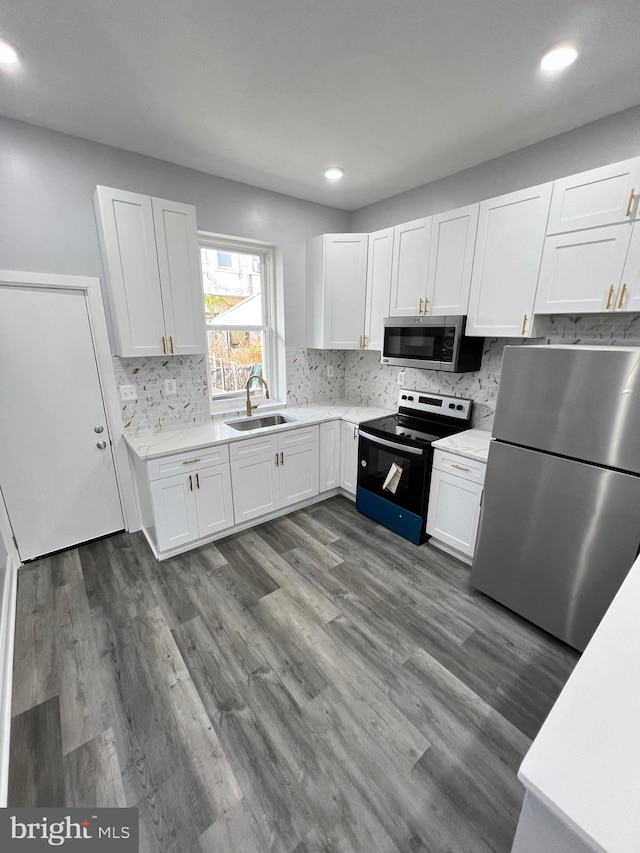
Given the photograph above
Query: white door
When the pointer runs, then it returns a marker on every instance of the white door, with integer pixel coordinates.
(629, 294)
(378, 287)
(581, 270)
(330, 455)
(598, 197)
(409, 273)
(349, 457)
(511, 232)
(58, 482)
(174, 510)
(345, 270)
(453, 238)
(256, 486)
(214, 501)
(299, 473)
(180, 276)
(454, 511)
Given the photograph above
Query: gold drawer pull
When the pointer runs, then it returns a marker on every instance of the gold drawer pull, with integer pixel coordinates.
(524, 324)
(609, 297)
(459, 467)
(630, 202)
(191, 461)
(420, 309)
(622, 293)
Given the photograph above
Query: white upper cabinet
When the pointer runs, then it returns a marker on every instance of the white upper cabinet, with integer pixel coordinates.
(150, 253)
(336, 275)
(379, 261)
(453, 237)
(511, 232)
(628, 297)
(603, 196)
(582, 271)
(409, 270)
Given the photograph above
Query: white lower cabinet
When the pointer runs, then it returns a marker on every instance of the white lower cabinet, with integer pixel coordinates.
(274, 471)
(349, 457)
(330, 455)
(192, 504)
(455, 500)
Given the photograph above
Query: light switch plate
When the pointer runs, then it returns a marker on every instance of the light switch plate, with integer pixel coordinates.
(170, 388)
(128, 393)
(329, 371)
(400, 377)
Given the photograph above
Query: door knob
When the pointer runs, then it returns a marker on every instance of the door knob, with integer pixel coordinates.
(98, 429)
(101, 445)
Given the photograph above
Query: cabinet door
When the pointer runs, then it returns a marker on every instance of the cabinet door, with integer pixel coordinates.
(345, 281)
(378, 286)
(214, 501)
(629, 295)
(601, 196)
(174, 511)
(255, 481)
(299, 473)
(454, 511)
(511, 231)
(330, 455)
(581, 270)
(453, 238)
(409, 270)
(349, 458)
(128, 244)
(180, 276)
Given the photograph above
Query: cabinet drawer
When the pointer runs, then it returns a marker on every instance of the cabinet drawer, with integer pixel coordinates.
(294, 437)
(254, 447)
(468, 469)
(179, 463)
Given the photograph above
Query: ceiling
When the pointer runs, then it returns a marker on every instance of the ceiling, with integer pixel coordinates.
(270, 92)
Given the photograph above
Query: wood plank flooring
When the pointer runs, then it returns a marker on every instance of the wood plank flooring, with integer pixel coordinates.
(313, 684)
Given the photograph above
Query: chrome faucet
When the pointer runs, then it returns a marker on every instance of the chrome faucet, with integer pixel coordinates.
(250, 406)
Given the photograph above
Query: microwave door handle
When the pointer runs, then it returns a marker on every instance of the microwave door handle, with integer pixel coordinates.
(414, 451)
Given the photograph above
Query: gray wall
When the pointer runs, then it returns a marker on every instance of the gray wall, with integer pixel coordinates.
(608, 140)
(47, 224)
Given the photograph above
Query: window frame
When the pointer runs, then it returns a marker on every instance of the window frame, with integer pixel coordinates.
(272, 338)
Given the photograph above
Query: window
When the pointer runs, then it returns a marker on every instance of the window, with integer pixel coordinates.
(239, 303)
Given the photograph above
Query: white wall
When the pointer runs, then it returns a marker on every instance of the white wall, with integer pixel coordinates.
(608, 140)
(47, 224)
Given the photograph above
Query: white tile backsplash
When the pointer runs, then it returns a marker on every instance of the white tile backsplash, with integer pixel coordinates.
(358, 375)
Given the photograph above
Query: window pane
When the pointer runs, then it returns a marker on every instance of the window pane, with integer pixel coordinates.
(232, 292)
(233, 357)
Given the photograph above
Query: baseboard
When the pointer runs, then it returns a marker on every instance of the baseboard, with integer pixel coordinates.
(7, 635)
(453, 552)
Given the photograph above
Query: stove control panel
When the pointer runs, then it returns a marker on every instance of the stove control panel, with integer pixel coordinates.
(433, 404)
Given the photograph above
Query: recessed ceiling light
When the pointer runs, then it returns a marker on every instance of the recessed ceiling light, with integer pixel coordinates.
(559, 56)
(8, 53)
(333, 173)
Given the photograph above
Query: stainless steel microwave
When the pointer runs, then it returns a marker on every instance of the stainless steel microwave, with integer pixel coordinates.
(431, 343)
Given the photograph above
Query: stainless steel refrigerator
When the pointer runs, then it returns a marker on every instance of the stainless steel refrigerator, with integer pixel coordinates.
(560, 524)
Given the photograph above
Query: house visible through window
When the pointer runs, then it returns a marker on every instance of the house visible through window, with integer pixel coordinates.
(238, 315)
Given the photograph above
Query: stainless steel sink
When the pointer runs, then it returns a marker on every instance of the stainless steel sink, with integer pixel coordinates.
(247, 424)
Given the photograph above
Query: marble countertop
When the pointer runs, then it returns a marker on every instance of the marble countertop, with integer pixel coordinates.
(472, 443)
(161, 442)
(584, 765)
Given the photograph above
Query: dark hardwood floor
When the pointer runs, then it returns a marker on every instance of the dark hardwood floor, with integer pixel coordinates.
(313, 684)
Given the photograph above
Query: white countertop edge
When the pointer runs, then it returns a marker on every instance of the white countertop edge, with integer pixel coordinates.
(152, 444)
(471, 443)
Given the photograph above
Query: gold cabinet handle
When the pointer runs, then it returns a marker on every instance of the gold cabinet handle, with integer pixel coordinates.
(420, 308)
(609, 298)
(191, 461)
(459, 467)
(622, 293)
(164, 345)
(355, 432)
(282, 457)
(632, 195)
(277, 463)
(198, 480)
(426, 306)
(364, 342)
(524, 324)
(171, 344)
(190, 483)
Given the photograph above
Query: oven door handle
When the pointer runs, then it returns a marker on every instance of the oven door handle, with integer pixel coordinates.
(414, 451)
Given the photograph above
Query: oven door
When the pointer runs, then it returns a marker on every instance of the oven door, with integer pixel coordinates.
(392, 484)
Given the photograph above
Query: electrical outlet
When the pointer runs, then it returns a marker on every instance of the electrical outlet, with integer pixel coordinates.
(400, 377)
(128, 393)
(170, 387)
(329, 371)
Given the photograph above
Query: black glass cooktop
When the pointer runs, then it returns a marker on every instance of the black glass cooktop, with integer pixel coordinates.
(412, 430)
